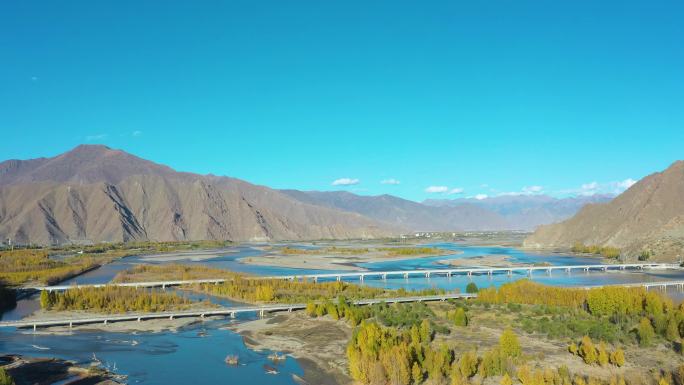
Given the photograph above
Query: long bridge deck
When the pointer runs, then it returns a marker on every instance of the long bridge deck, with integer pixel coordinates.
(223, 311)
(361, 275)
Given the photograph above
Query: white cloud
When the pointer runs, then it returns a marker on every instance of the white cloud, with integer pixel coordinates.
(532, 189)
(625, 184)
(436, 189)
(390, 181)
(593, 188)
(480, 197)
(136, 133)
(90, 138)
(456, 190)
(345, 182)
(510, 193)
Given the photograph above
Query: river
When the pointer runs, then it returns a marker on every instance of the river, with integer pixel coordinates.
(195, 354)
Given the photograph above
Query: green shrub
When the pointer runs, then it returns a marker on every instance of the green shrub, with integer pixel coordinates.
(646, 332)
(5, 378)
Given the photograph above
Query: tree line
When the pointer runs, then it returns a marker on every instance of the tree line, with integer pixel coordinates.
(646, 313)
(298, 291)
(604, 251)
(385, 355)
(112, 299)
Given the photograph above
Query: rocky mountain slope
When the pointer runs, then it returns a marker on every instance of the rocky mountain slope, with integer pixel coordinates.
(526, 212)
(648, 217)
(406, 214)
(96, 194)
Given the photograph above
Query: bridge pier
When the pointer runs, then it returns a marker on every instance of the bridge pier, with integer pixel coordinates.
(139, 319)
(261, 313)
(34, 327)
(510, 273)
(427, 275)
(105, 322)
(361, 277)
(405, 275)
(384, 277)
(339, 278)
(170, 318)
(315, 279)
(232, 315)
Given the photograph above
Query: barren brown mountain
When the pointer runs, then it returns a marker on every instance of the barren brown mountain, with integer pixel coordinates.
(96, 194)
(407, 214)
(648, 217)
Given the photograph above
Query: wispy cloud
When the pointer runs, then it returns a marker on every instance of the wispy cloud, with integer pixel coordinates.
(456, 190)
(532, 189)
(480, 197)
(593, 188)
(436, 189)
(91, 138)
(625, 184)
(390, 181)
(136, 133)
(345, 182)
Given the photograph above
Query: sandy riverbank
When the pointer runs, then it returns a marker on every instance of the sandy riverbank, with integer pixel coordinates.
(333, 261)
(39, 371)
(493, 260)
(194, 256)
(318, 344)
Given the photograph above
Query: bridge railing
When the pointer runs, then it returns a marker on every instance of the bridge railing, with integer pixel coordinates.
(261, 310)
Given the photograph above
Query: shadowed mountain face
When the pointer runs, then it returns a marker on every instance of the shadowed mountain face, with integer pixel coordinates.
(526, 212)
(649, 216)
(96, 194)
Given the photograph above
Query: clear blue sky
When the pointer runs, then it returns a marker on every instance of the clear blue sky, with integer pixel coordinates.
(487, 96)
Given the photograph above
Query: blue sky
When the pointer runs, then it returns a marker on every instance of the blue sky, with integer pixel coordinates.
(466, 97)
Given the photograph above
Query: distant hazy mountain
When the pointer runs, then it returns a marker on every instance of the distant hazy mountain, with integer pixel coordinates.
(94, 194)
(649, 216)
(526, 212)
(409, 215)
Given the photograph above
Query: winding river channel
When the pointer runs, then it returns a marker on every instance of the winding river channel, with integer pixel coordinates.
(195, 353)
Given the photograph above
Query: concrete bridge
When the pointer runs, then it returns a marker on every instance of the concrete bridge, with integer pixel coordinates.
(162, 284)
(202, 313)
(662, 285)
(427, 273)
(361, 275)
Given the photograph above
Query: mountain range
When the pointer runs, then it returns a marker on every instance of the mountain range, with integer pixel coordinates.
(647, 219)
(97, 194)
(526, 211)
